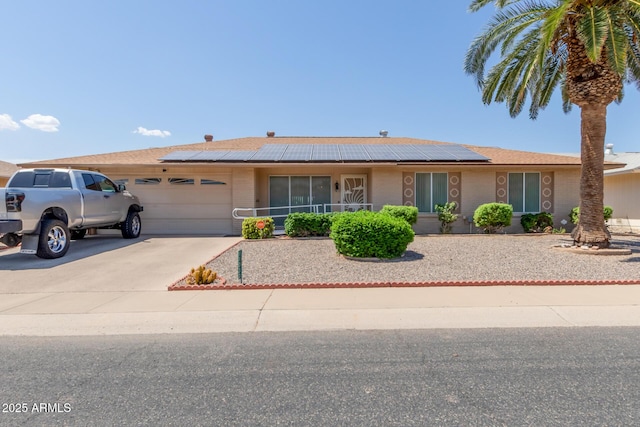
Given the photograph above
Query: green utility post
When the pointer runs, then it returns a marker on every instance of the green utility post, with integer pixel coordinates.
(240, 265)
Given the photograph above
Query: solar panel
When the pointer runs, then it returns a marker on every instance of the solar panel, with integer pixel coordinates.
(179, 156)
(333, 153)
(353, 153)
(325, 153)
(297, 153)
(270, 153)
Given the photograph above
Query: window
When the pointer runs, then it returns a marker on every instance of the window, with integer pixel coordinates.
(89, 183)
(122, 181)
(524, 192)
(431, 190)
(211, 182)
(181, 181)
(148, 181)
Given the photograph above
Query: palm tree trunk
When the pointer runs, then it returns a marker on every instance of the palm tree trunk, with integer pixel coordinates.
(591, 228)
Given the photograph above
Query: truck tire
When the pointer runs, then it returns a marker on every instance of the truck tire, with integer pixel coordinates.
(131, 226)
(78, 234)
(54, 239)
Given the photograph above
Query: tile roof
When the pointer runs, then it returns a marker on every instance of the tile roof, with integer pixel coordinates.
(151, 156)
(7, 169)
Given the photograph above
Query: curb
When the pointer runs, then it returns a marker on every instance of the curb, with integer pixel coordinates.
(360, 285)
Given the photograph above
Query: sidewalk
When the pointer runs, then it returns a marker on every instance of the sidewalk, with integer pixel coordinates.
(159, 312)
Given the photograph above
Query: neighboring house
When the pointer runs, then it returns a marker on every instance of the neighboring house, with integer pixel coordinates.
(192, 189)
(622, 191)
(6, 170)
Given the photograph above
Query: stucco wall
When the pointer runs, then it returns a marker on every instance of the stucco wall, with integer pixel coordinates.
(622, 193)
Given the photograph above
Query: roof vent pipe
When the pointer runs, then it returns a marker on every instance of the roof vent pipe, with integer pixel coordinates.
(208, 138)
(608, 149)
(384, 133)
(271, 134)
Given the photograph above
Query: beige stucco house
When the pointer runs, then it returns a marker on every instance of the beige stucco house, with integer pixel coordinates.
(193, 189)
(622, 191)
(6, 170)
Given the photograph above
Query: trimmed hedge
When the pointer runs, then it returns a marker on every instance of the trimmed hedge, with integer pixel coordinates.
(250, 229)
(408, 213)
(574, 215)
(537, 223)
(366, 234)
(492, 217)
(301, 224)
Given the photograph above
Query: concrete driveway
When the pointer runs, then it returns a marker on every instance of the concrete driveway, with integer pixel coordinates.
(109, 263)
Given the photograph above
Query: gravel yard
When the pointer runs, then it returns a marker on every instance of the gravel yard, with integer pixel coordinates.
(429, 258)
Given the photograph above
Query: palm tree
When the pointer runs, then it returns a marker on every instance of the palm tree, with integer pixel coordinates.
(588, 48)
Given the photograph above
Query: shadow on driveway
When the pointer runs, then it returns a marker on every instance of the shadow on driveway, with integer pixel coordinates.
(12, 259)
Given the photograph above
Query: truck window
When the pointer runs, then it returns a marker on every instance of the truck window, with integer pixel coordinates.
(89, 183)
(22, 180)
(60, 180)
(105, 184)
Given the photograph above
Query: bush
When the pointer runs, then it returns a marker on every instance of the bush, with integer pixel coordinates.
(408, 213)
(302, 224)
(446, 216)
(366, 234)
(250, 228)
(537, 223)
(492, 217)
(574, 216)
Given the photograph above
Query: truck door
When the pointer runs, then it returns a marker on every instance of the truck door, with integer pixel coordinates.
(112, 199)
(94, 205)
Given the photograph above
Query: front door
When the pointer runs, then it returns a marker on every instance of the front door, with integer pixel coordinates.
(354, 192)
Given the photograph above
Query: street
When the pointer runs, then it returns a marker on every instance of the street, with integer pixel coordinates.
(531, 376)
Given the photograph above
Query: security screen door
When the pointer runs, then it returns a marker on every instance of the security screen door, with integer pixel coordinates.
(354, 192)
(297, 191)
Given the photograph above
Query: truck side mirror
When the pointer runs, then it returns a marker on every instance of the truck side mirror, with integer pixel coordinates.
(121, 188)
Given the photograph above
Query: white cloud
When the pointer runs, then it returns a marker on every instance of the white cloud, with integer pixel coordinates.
(152, 132)
(43, 123)
(7, 123)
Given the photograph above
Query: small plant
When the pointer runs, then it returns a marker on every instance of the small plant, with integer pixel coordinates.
(301, 224)
(574, 216)
(258, 228)
(201, 276)
(366, 234)
(537, 223)
(493, 217)
(560, 230)
(408, 213)
(446, 216)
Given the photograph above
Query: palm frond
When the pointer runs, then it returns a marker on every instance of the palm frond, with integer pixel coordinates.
(592, 29)
(617, 43)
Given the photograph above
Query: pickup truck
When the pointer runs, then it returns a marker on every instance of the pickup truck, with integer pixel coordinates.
(45, 208)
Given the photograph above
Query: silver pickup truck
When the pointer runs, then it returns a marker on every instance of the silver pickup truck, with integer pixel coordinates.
(45, 208)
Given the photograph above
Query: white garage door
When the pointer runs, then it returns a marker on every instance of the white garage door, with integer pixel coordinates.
(183, 204)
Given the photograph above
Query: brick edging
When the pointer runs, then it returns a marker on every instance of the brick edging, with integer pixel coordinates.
(178, 286)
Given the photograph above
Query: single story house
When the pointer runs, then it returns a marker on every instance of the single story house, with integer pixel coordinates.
(193, 189)
(622, 191)
(6, 170)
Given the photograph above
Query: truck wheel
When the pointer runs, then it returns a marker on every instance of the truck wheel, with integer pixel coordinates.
(78, 234)
(54, 239)
(131, 226)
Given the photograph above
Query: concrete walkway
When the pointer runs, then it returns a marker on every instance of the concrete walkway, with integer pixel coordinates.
(84, 300)
(154, 312)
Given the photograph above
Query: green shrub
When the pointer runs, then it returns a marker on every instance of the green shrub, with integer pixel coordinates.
(408, 213)
(446, 216)
(302, 224)
(574, 216)
(366, 234)
(537, 223)
(250, 228)
(492, 217)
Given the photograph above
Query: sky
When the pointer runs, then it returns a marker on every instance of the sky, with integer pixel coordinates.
(90, 77)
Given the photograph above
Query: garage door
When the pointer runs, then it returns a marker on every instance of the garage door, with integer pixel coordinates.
(183, 204)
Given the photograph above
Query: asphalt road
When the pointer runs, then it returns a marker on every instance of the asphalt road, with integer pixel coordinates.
(492, 377)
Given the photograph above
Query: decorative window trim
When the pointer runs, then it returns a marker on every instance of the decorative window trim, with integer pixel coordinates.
(181, 181)
(148, 181)
(205, 181)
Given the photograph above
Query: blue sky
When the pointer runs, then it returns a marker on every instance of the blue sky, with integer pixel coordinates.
(88, 77)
